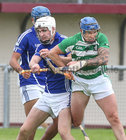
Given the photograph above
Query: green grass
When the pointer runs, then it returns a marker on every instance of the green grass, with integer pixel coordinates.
(94, 134)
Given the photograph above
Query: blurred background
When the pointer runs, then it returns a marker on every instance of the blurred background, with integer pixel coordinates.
(68, 1)
(15, 19)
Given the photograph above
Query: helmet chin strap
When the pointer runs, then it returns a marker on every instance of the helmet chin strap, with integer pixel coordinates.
(46, 42)
(50, 41)
(89, 42)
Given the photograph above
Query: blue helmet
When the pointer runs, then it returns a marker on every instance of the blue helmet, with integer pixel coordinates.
(40, 11)
(89, 23)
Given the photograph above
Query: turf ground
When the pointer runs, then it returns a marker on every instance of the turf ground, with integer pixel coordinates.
(94, 134)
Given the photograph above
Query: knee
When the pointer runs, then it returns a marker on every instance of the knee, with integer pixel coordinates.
(24, 132)
(113, 118)
(76, 122)
(63, 132)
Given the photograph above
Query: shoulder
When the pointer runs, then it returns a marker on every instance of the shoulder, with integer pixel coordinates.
(102, 36)
(67, 44)
(60, 36)
(25, 34)
(29, 34)
(102, 40)
(73, 39)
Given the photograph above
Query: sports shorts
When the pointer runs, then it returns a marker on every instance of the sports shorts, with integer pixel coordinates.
(99, 87)
(31, 92)
(53, 103)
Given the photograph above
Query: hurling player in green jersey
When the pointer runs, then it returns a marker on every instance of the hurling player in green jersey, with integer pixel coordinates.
(90, 53)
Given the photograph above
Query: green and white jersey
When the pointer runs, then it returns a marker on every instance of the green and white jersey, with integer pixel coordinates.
(81, 50)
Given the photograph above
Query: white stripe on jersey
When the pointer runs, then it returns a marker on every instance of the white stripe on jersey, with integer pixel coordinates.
(36, 79)
(69, 49)
(89, 72)
(22, 36)
(80, 43)
(85, 53)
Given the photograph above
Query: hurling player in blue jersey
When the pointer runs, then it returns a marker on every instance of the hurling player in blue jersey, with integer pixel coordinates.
(31, 85)
(55, 101)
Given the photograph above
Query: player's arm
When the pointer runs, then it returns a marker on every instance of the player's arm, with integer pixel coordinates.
(34, 63)
(101, 59)
(54, 56)
(45, 53)
(67, 59)
(14, 62)
(15, 65)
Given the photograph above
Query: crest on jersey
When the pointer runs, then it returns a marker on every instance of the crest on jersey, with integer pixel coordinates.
(37, 45)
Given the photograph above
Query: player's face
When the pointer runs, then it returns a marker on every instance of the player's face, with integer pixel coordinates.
(44, 34)
(90, 36)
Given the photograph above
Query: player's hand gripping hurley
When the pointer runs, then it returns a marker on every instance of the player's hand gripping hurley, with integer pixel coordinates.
(53, 69)
(41, 70)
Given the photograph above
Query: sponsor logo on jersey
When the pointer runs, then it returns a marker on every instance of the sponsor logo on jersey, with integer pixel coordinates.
(79, 47)
(37, 45)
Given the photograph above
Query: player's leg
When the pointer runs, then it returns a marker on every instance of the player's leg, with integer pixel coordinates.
(105, 98)
(109, 106)
(33, 120)
(78, 104)
(60, 105)
(79, 100)
(51, 131)
(30, 94)
(64, 124)
(27, 107)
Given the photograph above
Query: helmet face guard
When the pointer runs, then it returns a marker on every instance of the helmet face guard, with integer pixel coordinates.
(48, 22)
(39, 11)
(88, 24)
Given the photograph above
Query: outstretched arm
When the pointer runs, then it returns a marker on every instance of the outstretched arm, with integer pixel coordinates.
(54, 53)
(67, 59)
(54, 56)
(34, 63)
(15, 65)
(14, 62)
(101, 59)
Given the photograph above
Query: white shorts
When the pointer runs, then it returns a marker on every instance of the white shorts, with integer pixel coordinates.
(99, 87)
(53, 103)
(31, 92)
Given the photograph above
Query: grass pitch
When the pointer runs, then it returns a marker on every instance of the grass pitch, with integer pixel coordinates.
(94, 134)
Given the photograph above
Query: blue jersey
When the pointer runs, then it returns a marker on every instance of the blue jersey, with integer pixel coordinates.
(26, 45)
(55, 83)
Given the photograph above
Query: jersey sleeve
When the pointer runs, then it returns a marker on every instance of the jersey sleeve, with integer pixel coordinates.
(63, 46)
(103, 41)
(66, 45)
(37, 50)
(20, 45)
